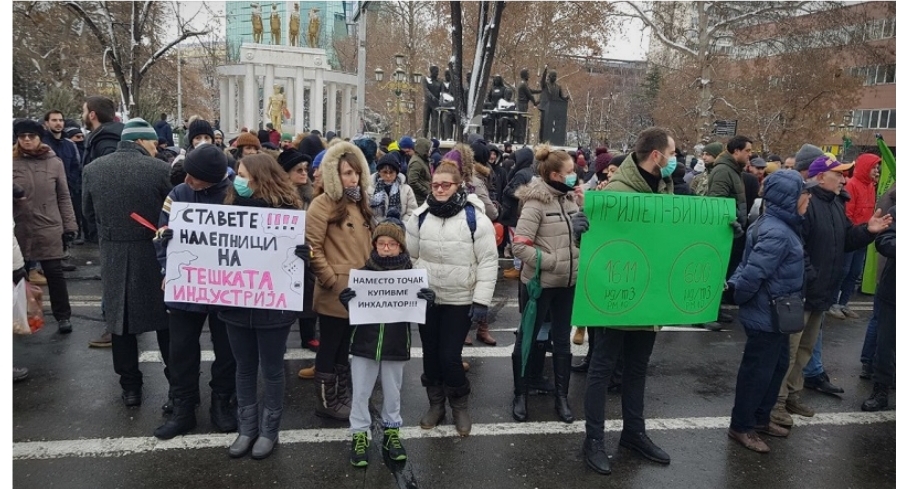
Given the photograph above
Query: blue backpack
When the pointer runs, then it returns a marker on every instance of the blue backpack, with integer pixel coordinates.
(470, 219)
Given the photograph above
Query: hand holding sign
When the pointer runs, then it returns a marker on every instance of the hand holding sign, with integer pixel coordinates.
(386, 296)
(346, 296)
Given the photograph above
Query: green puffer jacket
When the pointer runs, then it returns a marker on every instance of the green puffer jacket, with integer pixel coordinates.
(725, 181)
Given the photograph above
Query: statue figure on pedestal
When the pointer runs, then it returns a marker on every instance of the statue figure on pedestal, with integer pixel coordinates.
(499, 98)
(431, 86)
(312, 29)
(256, 22)
(275, 24)
(276, 107)
(525, 95)
(554, 107)
(448, 118)
(294, 26)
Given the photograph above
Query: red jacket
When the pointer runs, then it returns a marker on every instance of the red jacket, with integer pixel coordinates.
(862, 190)
(274, 137)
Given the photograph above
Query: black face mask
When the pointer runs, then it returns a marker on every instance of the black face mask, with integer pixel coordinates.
(559, 186)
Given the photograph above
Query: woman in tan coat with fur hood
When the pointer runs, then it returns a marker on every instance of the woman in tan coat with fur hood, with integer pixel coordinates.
(339, 227)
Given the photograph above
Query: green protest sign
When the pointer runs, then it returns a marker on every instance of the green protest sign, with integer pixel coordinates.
(652, 260)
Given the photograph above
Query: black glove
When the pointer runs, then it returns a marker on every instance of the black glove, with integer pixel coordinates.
(163, 236)
(478, 313)
(580, 225)
(737, 229)
(302, 252)
(345, 297)
(427, 295)
(19, 274)
(68, 238)
(18, 191)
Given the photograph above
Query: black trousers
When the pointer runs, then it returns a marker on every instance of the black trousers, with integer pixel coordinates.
(443, 335)
(184, 355)
(636, 348)
(763, 366)
(560, 299)
(59, 291)
(886, 349)
(125, 357)
(334, 343)
(307, 329)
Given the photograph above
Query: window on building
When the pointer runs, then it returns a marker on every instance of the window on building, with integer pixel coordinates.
(871, 75)
(883, 120)
(889, 73)
(892, 120)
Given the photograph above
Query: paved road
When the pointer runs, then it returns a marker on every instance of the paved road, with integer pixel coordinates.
(70, 429)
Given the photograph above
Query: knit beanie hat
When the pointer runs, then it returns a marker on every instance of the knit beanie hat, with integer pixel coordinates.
(714, 149)
(247, 139)
(218, 133)
(286, 137)
(406, 142)
(206, 163)
(454, 156)
(318, 160)
(72, 131)
(807, 154)
(197, 128)
(602, 158)
(25, 126)
(368, 148)
(290, 158)
(138, 128)
(481, 152)
(391, 160)
(391, 227)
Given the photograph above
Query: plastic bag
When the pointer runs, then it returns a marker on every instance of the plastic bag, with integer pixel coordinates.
(35, 307)
(20, 309)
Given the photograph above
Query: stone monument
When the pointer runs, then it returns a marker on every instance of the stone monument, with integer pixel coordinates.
(554, 107)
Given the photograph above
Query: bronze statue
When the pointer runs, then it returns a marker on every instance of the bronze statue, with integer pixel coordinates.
(554, 107)
(448, 117)
(431, 87)
(294, 26)
(275, 23)
(276, 106)
(256, 22)
(496, 126)
(525, 95)
(312, 29)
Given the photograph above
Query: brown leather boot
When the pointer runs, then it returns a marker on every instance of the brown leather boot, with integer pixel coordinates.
(484, 335)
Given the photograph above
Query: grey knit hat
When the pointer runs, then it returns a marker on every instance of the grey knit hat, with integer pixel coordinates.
(807, 154)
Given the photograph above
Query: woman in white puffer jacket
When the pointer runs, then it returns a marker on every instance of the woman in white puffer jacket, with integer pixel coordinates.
(451, 238)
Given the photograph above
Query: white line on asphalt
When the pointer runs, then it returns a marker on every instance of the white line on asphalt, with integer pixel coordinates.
(117, 447)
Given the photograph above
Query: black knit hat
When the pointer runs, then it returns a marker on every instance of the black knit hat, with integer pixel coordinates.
(25, 126)
(206, 163)
(389, 159)
(481, 152)
(197, 128)
(290, 158)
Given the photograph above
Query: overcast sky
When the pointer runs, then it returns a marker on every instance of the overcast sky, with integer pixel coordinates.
(630, 41)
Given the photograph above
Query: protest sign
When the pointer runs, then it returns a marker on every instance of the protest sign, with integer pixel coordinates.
(652, 260)
(235, 256)
(387, 297)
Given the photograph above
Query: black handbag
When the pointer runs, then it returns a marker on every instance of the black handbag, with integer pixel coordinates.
(786, 311)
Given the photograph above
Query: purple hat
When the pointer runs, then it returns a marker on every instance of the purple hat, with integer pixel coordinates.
(826, 163)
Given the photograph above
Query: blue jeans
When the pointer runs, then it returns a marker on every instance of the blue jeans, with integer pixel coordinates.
(814, 367)
(763, 366)
(871, 342)
(854, 262)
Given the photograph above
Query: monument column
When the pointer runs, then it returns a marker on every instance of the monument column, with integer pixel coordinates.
(251, 101)
(331, 123)
(347, 111)
(232, 94)
(317, 100)
(223, 102)
(268, 91)
(299, 101)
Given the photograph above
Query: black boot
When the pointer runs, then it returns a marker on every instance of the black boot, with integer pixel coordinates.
(327, 402)
(268, 434)
(534, 379)
(248, 430)
(183, 419)
(520, 401)
(595, 455)
(344, 385)
(878, 400)
(222, 414)
(459, 403)
(562, 368)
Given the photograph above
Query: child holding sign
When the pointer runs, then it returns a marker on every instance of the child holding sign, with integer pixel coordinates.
(380, 347)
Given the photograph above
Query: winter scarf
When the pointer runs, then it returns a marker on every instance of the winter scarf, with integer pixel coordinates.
(40, 151)
(452, 207)
(382, 263)
(391, 190)
(353, 193)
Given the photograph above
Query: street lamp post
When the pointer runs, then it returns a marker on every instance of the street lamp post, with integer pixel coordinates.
(846, 128)
(404, 92)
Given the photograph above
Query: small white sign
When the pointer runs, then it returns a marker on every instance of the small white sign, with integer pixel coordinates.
(387, 297)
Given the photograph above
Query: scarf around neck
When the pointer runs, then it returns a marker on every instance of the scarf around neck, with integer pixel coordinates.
(452, 207)
(381, 263)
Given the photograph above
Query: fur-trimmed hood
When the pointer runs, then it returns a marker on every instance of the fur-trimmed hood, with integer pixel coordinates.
(331, 177)
(483, 171)
(537, 190)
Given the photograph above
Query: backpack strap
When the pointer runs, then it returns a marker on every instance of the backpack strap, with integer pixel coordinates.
(422, 218)
(470, 219)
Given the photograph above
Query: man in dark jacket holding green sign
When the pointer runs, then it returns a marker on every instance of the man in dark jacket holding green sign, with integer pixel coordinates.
(646, 170)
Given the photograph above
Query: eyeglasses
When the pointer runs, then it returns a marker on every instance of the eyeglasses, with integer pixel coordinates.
(391, 245)
(28, 135)
(442, 186)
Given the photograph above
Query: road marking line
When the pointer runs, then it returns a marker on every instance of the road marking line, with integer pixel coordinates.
(117, 447)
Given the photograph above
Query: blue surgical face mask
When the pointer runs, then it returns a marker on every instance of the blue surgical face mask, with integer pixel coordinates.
(242, 187)
(670, 167)
(572, 179)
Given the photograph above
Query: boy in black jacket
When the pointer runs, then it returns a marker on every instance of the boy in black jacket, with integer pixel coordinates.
(380, 347)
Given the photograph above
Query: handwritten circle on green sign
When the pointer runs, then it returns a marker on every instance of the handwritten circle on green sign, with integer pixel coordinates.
(694, 278)
(622, 271)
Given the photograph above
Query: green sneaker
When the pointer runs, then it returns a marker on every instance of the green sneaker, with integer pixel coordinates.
(359, 455)
(391, 443)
